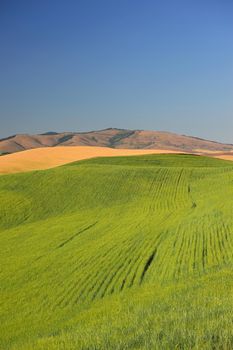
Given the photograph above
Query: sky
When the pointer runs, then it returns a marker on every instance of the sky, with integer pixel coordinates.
(87, 64)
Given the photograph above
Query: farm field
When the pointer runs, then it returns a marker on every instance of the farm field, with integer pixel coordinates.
(118, 253)
(50, 157)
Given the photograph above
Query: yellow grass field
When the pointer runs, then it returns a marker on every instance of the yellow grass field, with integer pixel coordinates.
(50, 157)
(226, 157)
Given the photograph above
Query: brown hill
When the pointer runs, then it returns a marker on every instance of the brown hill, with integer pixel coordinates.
(114, 138)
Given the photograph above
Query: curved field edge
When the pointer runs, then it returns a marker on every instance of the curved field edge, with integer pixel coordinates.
(50, 157)
(84, 245)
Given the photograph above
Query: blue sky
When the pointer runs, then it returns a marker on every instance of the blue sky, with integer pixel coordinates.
(84, 65)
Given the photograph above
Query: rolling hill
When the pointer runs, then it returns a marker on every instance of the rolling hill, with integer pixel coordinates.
(113, 138)
(49, 157)
(118, 253)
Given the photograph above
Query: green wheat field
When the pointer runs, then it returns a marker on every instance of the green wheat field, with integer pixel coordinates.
(118, 253)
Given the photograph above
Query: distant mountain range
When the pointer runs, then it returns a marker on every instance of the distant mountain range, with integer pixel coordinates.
(113, 138)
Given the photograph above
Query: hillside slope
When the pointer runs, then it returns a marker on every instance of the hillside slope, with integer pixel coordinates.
(114, 138)
(49, 157)
(118, 253)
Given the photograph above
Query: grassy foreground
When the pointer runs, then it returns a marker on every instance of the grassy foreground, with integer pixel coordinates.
(118, 253)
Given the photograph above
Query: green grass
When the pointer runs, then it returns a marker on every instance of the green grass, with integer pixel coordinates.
(118, 253)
